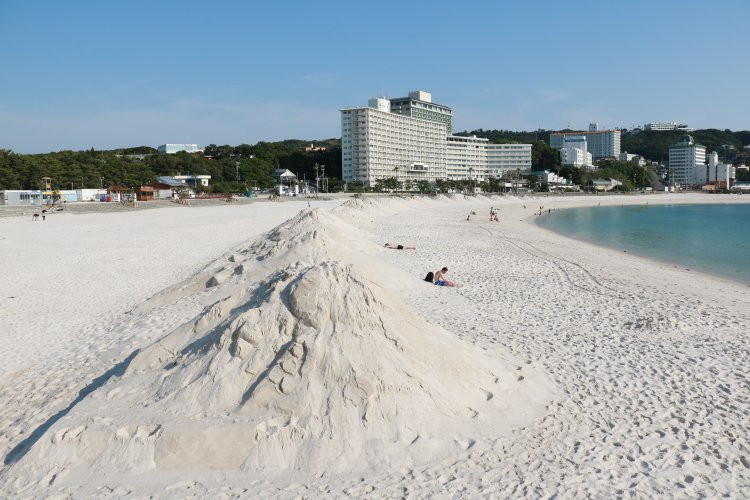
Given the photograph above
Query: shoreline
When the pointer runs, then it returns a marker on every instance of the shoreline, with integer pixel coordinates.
(673, 273)
(693, 267)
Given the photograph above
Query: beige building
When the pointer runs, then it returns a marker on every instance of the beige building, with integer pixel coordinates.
(377, 144)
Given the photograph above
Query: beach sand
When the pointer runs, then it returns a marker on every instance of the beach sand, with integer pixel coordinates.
(612, 374)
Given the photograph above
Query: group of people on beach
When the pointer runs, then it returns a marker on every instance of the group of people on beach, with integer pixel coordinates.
(541, 210)
(437, 278)
(47, 211)
(494, 214)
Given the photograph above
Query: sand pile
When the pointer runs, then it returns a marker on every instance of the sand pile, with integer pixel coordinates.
(311, 236)
(316, 367)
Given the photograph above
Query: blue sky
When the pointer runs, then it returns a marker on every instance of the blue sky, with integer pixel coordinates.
(107, 74)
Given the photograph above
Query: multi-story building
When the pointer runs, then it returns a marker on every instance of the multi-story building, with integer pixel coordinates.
(600, 143)
(716, 172)
(636, 159)
(409, 138)
(378, 144)
(575, 152)
(663, 126)
(176, 148)
(466, 158)
(687, 160)
(418, 104)
(503, 158)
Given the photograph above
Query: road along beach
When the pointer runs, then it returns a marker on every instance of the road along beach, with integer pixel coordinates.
(310, 360)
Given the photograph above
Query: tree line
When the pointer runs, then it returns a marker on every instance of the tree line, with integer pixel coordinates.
(236, 168)
(232, 168)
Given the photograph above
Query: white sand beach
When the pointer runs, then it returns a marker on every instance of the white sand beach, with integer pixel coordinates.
(274, 350)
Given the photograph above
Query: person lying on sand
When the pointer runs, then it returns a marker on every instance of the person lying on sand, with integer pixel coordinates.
(440, 280)
(398, 247)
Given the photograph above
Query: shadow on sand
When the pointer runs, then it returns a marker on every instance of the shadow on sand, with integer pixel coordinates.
(18, 452)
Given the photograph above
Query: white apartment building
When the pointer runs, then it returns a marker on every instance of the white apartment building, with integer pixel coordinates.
(466, 158)
(687, 161)
(637, 159)
(600, 143)
(409, 138)
(503, 158)
(552, 180)
(715, 172)
(378, 144)
(176, 148)
(664, 126)
(574, 152)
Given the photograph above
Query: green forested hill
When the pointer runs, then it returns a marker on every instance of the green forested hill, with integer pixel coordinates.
(655, 145)
(91, 168)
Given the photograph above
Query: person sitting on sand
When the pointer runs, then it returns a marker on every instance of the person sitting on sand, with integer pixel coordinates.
(398, 247)
(440, 280)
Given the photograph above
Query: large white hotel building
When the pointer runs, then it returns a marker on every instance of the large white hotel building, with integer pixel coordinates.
(409, 138)
(600, 143)
(687, 162)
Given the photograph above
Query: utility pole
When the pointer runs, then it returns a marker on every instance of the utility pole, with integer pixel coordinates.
(317, 179)
(323, 174)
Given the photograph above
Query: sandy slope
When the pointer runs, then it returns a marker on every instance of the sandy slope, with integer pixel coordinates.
(68, 283)
(650, 362)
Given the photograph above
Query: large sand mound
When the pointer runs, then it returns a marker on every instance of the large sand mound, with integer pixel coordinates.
(316, 368)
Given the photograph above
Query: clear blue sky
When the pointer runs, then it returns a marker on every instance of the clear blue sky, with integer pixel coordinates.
(106, 74)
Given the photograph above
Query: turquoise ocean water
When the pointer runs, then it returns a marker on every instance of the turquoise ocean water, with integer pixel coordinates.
(711, 238)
